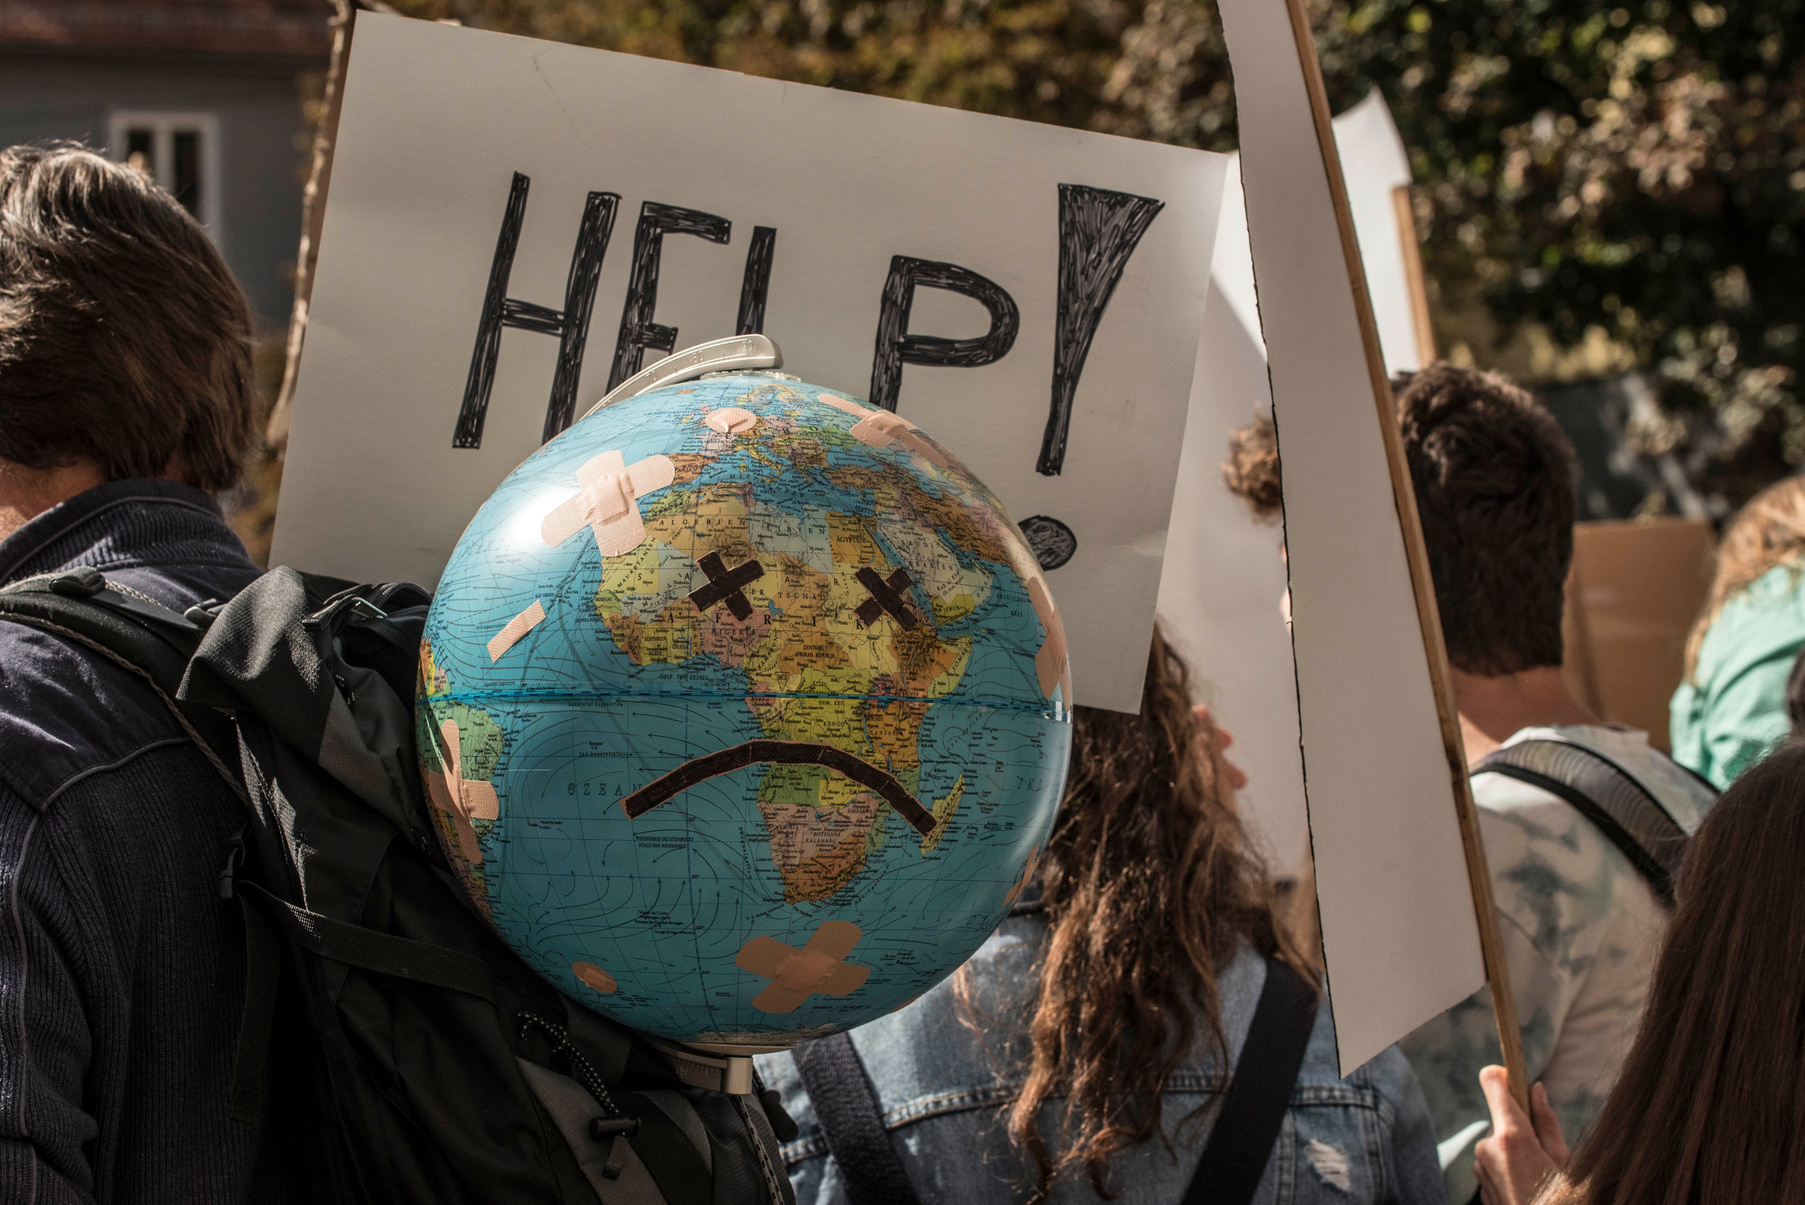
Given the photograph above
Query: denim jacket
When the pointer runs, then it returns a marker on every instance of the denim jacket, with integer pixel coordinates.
(1366, 1138)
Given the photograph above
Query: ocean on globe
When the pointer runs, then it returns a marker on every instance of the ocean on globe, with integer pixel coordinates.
(743, 711)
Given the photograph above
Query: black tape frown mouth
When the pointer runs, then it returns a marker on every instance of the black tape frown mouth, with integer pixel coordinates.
(780, 753)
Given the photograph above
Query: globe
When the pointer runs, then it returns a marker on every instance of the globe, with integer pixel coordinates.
(743, 711)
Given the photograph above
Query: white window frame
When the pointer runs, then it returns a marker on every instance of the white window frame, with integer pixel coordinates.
(163, 126)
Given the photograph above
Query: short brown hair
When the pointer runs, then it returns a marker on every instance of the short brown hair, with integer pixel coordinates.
(1495, 481)
(124, 338)
(1251, 471)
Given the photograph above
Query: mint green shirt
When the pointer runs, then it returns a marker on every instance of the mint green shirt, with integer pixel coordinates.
(1734, 708)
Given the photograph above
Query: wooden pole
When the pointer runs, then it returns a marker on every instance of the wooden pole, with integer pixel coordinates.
(1413, 276)
(313, 215)
(1479, 875)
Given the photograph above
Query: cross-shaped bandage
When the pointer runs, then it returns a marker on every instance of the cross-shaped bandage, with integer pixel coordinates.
(886, 598)
(881, 428)
(795, 975)
(607, 501)
(726, 585)
(461, 799)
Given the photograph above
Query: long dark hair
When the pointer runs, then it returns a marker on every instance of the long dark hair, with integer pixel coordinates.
(1149, 886)
(1710, 1106)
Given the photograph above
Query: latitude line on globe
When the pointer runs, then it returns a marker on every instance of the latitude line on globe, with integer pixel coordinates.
(477, 696)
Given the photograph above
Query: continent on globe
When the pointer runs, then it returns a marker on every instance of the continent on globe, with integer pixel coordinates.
(840, 671)
(688, 671)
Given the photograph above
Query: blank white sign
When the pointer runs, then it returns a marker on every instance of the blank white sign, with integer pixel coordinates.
(441, 123)
(1223, 578)
(1399, 933)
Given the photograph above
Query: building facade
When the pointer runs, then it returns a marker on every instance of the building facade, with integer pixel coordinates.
(205, 96)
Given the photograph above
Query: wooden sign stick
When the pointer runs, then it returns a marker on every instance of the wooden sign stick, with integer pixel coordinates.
(1418, 283)
(1491, 942)
(313, 215)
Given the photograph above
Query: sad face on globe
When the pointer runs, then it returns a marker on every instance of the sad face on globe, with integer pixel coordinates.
(744, 711)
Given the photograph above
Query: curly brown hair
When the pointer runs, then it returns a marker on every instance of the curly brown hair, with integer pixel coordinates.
(1150, 886)
(1251, 471)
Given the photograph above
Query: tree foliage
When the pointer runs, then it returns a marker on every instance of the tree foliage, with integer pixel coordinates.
(1637, 168)
(1634, 170)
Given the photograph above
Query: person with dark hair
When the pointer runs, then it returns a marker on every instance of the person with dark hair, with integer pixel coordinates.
(1495, 484)
(125, 404)
(1084, 1052)
(1709, 1108)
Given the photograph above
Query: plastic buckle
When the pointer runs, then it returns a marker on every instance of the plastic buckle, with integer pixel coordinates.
(202, 614)
(608, 1130)
(613, 1127)
(234, 859)
(83, 581)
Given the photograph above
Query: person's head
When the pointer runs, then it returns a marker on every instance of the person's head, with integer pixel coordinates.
(1251, 471)
(1766, 533)
(1149, 886)
(124, 340)
(1709, 1108)
(1496, 489)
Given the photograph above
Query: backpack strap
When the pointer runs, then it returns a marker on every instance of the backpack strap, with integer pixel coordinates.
(1253, 1109)
(268, 918)
(1624, 810)
(852, 1122)
(132, 630)
(1240, 1145)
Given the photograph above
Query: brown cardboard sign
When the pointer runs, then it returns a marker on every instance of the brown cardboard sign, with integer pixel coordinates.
(1636, 588)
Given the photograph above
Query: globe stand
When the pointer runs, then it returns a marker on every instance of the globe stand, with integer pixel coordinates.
(713, 1065)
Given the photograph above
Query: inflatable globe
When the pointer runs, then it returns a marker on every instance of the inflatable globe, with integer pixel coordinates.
(743, 711)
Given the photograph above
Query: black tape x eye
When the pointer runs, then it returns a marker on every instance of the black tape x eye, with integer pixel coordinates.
(887, 598)
(726, 585)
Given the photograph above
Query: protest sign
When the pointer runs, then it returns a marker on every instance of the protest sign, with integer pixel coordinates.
(1407, 920)
(1223, 577)
(514, 226)
(1377, 171)
(1637, 588)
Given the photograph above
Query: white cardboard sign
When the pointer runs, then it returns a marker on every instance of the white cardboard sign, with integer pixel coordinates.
(1223, 577)
(1399, 933)
(1029, 295)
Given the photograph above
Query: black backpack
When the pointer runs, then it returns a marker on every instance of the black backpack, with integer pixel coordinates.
(384, 1020)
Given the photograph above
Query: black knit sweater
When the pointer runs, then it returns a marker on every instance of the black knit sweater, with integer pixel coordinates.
(121, 970)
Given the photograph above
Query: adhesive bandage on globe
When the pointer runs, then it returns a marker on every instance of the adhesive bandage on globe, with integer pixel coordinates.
(881, 428)
(461, 799)
(1051, 663)
(517, 627)
(795, 975)
(607, 502)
